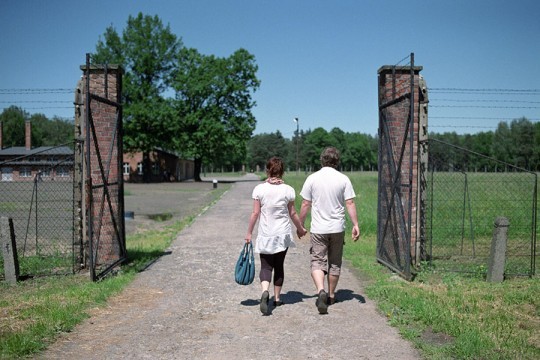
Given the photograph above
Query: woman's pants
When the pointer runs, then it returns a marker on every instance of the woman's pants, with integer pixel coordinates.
(273, 262)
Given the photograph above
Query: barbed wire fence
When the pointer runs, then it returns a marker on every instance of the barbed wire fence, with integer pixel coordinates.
(471, 110)
(52, 102)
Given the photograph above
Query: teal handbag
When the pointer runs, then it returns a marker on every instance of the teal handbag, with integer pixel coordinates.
(244, 272)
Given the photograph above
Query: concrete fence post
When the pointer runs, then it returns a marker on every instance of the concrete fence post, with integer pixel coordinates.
(9, 250)
(497, 257)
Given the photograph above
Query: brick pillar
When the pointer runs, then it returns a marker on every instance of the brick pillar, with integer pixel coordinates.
(105, 87)
(28, 135)
(395, 89)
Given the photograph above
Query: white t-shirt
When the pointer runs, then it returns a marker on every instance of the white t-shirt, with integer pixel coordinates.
(327, 189)
(274, 232)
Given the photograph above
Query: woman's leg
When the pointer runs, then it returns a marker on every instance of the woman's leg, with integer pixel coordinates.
(265, 275)
(279, 273)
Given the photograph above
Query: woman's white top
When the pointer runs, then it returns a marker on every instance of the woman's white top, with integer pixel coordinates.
(274, 232)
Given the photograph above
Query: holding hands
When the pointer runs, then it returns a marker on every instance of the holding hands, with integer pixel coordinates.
(301, 231)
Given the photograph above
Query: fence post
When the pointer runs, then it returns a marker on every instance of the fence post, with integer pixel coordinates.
(497, 257)
(9, 250)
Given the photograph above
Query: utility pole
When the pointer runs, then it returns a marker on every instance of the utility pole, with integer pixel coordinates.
(297, 135)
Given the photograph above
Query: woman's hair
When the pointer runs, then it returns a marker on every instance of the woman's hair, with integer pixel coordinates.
(274, 167)
(330, 157)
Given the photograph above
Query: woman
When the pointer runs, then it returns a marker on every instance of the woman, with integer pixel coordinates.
(273, 206)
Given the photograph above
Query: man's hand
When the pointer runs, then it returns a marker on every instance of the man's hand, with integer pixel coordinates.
(355, 233)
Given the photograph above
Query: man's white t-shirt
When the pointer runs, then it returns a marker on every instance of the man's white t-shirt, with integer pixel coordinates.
(274, 233)
(327, 189)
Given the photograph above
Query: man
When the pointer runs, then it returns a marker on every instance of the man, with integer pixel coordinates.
(328, 193)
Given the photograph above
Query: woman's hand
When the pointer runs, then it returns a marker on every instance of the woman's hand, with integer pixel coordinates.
(248, 238)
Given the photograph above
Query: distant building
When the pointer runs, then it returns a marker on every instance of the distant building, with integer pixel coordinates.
(163, 167)
(24, 163)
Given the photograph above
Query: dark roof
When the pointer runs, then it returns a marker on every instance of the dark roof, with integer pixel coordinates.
(42, 150)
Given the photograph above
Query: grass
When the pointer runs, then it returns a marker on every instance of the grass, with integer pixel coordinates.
(446, 315)
(35, 312)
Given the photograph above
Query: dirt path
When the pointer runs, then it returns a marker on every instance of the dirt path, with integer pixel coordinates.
(187, 306)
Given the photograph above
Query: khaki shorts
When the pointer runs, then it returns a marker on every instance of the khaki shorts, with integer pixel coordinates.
(327, 252)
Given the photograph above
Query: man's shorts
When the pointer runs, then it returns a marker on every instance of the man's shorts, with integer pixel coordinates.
(327, 252)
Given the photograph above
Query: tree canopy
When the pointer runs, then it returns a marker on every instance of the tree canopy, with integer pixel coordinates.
(45, 132)
(147, 52)
(209, 119)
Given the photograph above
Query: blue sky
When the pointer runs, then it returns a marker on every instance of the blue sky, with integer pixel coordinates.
(318, 60)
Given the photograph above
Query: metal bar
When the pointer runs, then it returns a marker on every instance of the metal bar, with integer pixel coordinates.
(411, 164)
(395, 101)
(471, 227)
(88, 185)
(105, 100)
(533, 227)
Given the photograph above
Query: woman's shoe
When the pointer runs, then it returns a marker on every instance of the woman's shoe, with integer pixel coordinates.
(331, 300)
(278, 302)
(264, 302)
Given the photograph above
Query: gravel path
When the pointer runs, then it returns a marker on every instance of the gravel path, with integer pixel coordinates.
(187, 306)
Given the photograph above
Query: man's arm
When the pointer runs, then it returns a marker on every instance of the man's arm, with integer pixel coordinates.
(304, 209)
(351, 209)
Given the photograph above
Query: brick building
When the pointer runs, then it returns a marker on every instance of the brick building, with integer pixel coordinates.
(163, 166)
(24, 163)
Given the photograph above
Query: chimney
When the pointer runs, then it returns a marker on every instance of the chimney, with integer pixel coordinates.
(28, 135)
(1, 134)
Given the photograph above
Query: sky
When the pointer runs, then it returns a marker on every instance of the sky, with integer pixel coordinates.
(318, 60)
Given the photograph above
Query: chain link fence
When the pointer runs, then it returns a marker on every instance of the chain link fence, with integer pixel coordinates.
(36, 191)
(465, 193)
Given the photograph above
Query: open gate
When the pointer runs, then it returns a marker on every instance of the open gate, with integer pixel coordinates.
(102, 168)
(398, 199)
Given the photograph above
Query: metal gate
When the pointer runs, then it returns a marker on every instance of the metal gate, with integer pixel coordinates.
(398, 167)
(103, 189)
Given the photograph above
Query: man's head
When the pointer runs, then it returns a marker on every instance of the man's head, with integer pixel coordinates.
(330, 157)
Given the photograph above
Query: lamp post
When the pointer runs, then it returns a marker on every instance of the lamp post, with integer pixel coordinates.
(297, 135)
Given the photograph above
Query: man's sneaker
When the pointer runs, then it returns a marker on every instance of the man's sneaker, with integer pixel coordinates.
(264, 302)
(321, 303)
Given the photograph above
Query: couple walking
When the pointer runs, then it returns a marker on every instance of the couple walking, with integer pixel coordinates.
(328, 194)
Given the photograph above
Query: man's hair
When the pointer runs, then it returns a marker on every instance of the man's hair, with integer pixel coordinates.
(275, 167)
(330, 157)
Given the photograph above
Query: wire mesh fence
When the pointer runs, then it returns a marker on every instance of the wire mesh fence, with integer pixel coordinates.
(465, 193)
(37, 193)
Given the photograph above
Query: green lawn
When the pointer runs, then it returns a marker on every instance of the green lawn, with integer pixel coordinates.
(446, 315)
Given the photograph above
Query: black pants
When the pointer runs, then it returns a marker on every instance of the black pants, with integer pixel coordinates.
(273, 262)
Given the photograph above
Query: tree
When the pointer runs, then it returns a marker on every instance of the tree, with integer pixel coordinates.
(45, 132)
(261, 147)
(522, 137)
(213, 105)
(13, 119)
(147, 51)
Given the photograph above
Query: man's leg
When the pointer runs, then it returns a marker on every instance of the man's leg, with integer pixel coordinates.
(335, 255)
(318, 279)
(332, 285)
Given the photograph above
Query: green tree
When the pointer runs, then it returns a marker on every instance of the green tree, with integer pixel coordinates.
(13, 119)
(147, 51)
(213, 105)
(536, 149)
(45, 132)
(261, 147)
(522, 137)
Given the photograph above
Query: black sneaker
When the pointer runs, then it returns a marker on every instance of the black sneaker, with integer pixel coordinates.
(321, 302)
(264, 302)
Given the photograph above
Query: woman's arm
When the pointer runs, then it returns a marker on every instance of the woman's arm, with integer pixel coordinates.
(300, 230)
(253, 219)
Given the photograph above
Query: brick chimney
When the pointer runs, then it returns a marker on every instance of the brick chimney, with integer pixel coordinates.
(28, 135)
